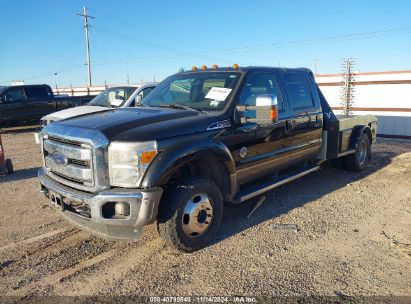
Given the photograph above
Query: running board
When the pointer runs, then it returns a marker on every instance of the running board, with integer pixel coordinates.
(274, 183)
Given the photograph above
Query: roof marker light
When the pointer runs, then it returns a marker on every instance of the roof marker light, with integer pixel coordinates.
(194, 68)
(235, 66)
(214, 66)
(204, 67)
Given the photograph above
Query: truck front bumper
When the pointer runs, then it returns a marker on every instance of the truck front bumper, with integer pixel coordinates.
(98, 212)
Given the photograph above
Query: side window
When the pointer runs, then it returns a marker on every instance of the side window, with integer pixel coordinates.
(145, 92)
(117, 97)
(37, 92)
(259, 84)
(15, 94)
(298, 90)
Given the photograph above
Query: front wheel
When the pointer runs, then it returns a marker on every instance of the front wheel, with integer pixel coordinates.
(360, 158)
(190, 214)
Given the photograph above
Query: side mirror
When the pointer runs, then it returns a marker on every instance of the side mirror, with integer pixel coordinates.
(264, 112)
(266, 108)
(139, 99)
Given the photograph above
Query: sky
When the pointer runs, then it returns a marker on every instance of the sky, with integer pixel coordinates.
(43, 41)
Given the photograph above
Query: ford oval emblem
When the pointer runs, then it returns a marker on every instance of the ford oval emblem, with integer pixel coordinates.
(243, 152)
(60, 159)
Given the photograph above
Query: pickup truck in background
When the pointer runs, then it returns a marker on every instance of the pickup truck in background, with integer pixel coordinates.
(23, 103)
(200, 139)
(112, 97)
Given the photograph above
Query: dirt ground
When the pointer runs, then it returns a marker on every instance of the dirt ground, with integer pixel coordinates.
(353, 239)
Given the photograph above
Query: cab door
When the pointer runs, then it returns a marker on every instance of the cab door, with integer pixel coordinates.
(259, 149)
(305, 120)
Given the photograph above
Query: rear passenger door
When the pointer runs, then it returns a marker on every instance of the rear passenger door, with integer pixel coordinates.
(304, 123)
(40, 101)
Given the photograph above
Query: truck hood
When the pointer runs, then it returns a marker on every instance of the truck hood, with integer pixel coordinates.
(141, 124)
(73, 112)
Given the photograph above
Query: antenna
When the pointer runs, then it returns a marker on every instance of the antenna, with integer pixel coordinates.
(315, 65)
(86, 27)
(347, 90)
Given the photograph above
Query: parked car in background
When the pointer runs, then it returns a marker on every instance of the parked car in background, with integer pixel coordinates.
(23, 103)
(113, 97)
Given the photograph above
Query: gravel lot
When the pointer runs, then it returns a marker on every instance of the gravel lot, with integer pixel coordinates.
(353, 239)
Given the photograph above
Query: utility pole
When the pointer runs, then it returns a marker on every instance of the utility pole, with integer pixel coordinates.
(347, 90)
(86, 26)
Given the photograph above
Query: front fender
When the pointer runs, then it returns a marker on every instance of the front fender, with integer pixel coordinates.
(176, 156)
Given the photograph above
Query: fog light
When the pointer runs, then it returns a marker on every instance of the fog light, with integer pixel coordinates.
(122, 209)
(115, 210)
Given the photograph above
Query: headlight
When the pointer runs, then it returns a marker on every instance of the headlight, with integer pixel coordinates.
(43, 123)
(129, 161)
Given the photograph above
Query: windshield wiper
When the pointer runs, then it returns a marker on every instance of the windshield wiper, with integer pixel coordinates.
(179, 106)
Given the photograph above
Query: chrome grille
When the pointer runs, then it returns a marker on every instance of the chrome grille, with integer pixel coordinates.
(64, 141)
(80, 162)
(75, 180)
(69, 160)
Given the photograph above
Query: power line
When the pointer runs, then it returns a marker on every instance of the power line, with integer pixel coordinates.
(185, 42)
(278, 45)
(131, 39)
(50, 73)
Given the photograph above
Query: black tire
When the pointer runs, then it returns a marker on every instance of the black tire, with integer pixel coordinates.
(173, 218)
(9, 166)
(359, 160)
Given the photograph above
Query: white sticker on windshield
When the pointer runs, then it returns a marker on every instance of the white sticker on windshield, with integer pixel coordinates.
(217, 93)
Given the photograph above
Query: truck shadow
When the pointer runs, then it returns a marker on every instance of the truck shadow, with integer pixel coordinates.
(19, 175)
(295, 194)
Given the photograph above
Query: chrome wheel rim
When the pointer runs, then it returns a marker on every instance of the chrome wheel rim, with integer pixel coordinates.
(363, 153)
(197, 215)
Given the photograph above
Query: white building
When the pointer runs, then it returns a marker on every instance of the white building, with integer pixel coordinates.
(384, 94)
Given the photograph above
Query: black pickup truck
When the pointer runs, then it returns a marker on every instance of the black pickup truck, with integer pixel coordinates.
(24, 103)
(200, 139)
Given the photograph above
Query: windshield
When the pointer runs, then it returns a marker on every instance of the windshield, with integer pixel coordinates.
(201, 91)
(113, 97)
